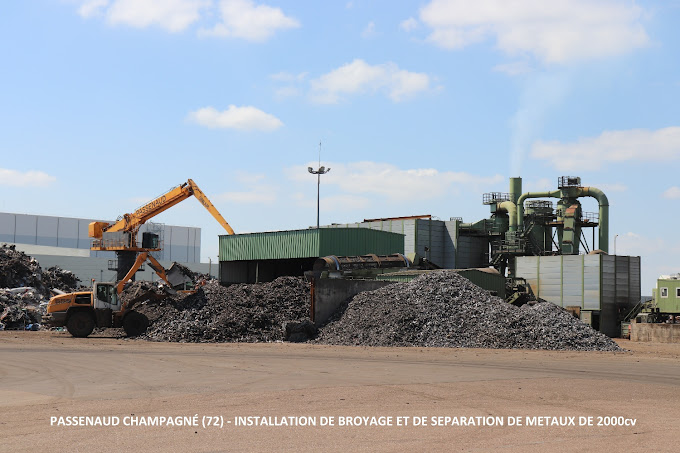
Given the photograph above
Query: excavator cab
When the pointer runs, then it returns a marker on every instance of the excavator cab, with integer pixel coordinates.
(106, 296)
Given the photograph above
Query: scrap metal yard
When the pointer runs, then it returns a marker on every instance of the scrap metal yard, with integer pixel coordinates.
(427, 226)
(434, 363)
(47, 375)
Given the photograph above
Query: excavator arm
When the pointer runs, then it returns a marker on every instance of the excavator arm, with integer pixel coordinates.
(200, 196)
(141, 258)
(168, 276)
(130, 223)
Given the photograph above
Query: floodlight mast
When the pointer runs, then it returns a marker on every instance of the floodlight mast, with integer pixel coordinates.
(321, 171)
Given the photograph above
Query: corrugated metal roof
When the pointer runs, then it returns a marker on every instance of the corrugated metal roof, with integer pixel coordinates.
(309, 243)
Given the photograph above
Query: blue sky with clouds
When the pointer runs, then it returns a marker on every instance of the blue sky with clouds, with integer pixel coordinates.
(420, 107)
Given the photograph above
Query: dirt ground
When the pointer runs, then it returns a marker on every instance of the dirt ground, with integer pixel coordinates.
(47, 379)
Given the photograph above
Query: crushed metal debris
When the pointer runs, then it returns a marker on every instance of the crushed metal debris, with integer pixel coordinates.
(439, 309)
(237, 313)
(25, 288)
(444, 309)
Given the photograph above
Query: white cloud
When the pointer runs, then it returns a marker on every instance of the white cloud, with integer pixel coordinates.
(556, 31)
(238, 18)
(258, 195)
(369, 31)
(339, 203)
(243, 118)
(542, 92)
(31, 178)
(244, 19)
(332, 203)
(284, 76)
(92, 8)
(634, 244)
(611, 146)
(248, 178)
(258, 191)
(292, 84)
(514, 68)
(286, 92)
(610, 187)
(673, 193)
(393, 183)
(658, 255)
(409, 24)
(360, 77)
(171, 15)
(539, 185)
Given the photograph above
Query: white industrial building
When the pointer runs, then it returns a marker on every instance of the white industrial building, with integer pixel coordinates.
(64, 242)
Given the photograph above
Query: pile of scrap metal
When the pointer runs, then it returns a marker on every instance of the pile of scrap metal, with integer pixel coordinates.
(25, 289)
(402, 268)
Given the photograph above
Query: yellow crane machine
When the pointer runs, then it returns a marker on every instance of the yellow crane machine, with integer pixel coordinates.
(82, 311)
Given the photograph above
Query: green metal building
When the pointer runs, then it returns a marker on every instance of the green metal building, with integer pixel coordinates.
(666, 295)
(261, 257)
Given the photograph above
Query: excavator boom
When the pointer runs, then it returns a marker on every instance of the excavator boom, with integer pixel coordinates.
(200, 196)
(129, 224)
(141, 258)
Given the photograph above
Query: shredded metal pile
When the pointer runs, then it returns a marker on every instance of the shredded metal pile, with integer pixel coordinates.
(25, 288)
(444, 309)
(238, 313)
(21, 308)
(440, 309)
(18, 269)
(58, 278)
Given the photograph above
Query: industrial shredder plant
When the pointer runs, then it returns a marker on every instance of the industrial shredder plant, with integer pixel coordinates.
(541, 229)
(549, 227)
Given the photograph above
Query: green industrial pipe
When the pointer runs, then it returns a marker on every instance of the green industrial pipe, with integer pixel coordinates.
(603, 240)
(511, 209)
(515, 189)
(524, 196)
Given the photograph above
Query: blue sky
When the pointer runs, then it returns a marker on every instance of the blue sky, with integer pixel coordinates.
(420, 107)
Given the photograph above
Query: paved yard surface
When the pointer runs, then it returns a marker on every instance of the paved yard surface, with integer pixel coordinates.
(48, 375)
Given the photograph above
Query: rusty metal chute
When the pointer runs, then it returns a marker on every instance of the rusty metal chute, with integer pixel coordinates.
(344, 263)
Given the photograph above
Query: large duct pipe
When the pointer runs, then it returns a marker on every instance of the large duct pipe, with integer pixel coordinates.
(511, 209)
(524, 196)
(603, 238)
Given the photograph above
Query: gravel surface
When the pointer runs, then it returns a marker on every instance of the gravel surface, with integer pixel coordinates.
(238, 313)
(443, 309)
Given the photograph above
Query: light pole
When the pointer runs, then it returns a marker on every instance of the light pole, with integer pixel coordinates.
(318, 173)
(615, 236)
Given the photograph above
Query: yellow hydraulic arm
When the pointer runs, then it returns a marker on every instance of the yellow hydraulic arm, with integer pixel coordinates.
(200, 196)
(141, 258)
(130, 223)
